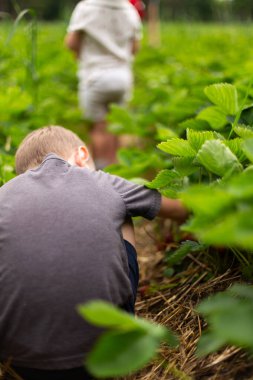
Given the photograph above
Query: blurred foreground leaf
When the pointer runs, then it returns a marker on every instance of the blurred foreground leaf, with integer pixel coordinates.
(229, 317)
(129, 343)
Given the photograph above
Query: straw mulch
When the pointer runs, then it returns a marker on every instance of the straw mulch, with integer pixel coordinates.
(171, 302)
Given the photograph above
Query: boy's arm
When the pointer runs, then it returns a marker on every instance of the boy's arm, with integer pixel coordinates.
(73, 41)
(135, 46)
(173, 209)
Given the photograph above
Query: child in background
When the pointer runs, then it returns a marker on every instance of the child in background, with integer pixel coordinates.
(104, 35)
(65, 241)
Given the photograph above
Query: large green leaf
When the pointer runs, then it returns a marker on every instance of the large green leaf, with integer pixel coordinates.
(208, 343)
(214, 116)
(197, 138)
(104, 314)
(129, 344)
(120, 353)
(204, 200)
(222, 213)
(224, 95)
(177, 147)
(240, 187)
(229, 315)
(232, 230)
(218, 159)
(242, 290)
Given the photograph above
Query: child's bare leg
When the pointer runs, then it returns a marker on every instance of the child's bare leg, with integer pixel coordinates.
(128, 231)
(104, 145)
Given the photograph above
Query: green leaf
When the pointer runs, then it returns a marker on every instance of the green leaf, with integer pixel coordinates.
(139, 181)
(164, 133)
(103, 314)
(168, 182)
(120, 120)
(171, 192)
(206, 200)
(133, 162)
(244, 131)
(242, 291)
(129, 346)
(179, 254)
(235, 146)
(119, 354)
(197, 138)
(195, 124)
(163, 179)
(247, 148)
(218, 159)
(184, 165)
(240, 187)
(224, 95)
(214, 116)
(232, 230)
(229, 315)
(208, 343)
(13, 103)
(177, 147)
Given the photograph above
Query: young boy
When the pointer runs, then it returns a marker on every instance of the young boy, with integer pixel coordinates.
(104, 35)
(62, 244)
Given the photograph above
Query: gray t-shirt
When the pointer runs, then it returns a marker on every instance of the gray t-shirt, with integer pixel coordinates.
(61, 245)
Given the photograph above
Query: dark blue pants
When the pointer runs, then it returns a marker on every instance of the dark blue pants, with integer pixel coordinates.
(80, 373)
(133, 275)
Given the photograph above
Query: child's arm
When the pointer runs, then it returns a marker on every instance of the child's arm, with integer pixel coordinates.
(135, 46)
(127, 230)
(173, 209)
(73, 41)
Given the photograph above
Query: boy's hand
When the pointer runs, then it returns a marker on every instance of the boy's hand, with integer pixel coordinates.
(73, 41)
(173, 209)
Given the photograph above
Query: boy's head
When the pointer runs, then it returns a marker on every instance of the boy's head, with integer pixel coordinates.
(53, 139)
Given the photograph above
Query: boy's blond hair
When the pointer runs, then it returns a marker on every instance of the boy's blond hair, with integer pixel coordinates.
(39, 143)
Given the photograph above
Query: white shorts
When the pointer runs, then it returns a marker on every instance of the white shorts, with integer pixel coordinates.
(102, 89)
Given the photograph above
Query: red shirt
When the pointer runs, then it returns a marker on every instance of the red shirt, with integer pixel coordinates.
(140, 7)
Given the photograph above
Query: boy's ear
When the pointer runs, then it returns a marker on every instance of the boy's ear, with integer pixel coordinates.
(82, 156)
